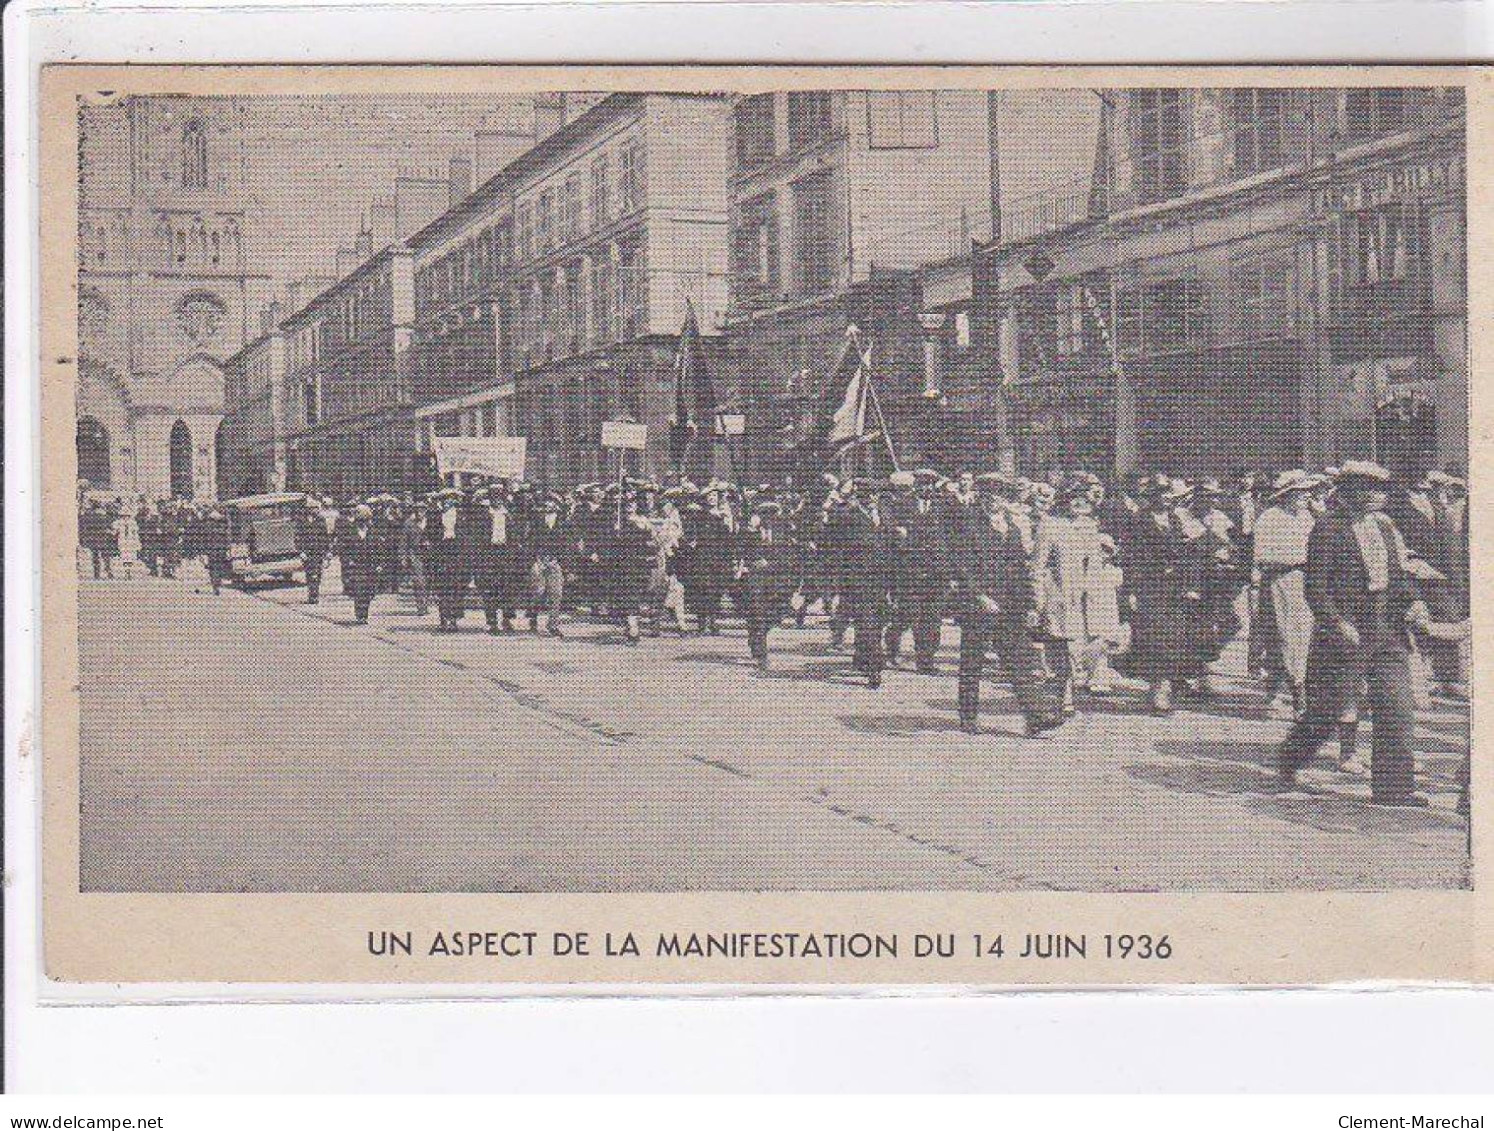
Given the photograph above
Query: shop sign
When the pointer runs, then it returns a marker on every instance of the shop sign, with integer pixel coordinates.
(1387, 186)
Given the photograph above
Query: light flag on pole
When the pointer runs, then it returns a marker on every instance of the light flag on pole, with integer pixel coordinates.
(848, 422)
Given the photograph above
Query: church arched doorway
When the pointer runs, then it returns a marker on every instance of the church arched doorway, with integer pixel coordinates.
(93, 452)
(181, 461)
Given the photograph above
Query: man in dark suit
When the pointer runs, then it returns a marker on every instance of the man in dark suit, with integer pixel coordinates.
(550, 540)
(312, 538)
(498, 543)
(359, 551)
(920, 566)
(213, 538)
(1362, 599)
(865, 579)
(765, 554)
(997, 608)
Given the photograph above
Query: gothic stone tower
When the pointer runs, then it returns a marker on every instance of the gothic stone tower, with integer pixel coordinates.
(163, 287)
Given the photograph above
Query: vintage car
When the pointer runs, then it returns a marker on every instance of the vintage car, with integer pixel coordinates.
(262, 537)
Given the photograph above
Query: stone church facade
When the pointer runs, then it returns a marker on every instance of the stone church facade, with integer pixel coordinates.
(165, 290)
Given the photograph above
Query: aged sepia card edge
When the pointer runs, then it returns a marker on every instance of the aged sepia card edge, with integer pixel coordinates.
(1286, 938)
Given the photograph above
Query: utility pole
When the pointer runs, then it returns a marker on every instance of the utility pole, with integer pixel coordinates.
(997, 392)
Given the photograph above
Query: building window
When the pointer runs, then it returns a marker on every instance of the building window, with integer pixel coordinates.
(194, 155)
(1258, 125)
(601, 299)
(1155, 125)
(631, 282)
(630, 177)
(809, 118)
(570, 207)
(1370, 113)
(524, 222)
(1165, 316)
(1072, 320)
(601, 188)
(901, 119)
(814, 235)
(1378, 246)
(311, 399)
(755, 251)
(547, 313)
(752, 121)
(1262, 287)
(181, 461)
(544, 223)
(575, 305)
(93, 452)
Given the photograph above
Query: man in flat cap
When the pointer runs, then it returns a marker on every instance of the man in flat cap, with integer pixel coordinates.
(1363, 600)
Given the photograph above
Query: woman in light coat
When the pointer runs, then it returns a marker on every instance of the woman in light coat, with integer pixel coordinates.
(1067, 559)
(1281, 532)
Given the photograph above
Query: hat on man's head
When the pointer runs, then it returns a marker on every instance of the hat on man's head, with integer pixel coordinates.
(1176, 491)
(1435, 479)
(902, 479)
(1294, 480)
(997, 483)
(1363, 473)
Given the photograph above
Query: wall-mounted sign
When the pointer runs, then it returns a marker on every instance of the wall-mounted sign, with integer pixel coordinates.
(1387, 186)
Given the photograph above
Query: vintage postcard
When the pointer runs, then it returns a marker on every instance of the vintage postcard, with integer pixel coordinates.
(764, 525)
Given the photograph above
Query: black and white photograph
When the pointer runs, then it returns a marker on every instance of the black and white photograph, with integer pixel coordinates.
(800, 490)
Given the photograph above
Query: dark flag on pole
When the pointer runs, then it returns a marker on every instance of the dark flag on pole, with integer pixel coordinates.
(694, 399)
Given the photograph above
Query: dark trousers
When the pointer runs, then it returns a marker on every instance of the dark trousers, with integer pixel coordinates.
(918, 605)
(451, 600)
(1009, 638)
(415, 571)
(362, 599)
(763, 611)
(865, 613)
(837, 607)
(313, 582)
(217, 569)
(1335, 672)
(499, 589)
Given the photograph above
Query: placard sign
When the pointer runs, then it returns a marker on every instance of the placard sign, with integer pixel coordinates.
(624, 434)
(499, 456)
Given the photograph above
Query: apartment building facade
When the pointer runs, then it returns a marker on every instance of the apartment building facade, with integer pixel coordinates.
(841, 204)
(552, 299)
(1260, 278)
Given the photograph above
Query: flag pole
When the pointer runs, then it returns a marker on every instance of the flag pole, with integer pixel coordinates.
(871, 389)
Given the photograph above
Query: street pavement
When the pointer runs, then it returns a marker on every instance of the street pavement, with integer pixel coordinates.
(252, 742)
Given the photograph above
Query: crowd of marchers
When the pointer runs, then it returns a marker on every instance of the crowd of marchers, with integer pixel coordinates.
(1350, 588)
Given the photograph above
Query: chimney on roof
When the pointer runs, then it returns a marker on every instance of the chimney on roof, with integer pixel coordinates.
(270, 316)
(549, 113)
(460, 179)
(383, 222)
(497, 147)
(363, 246)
